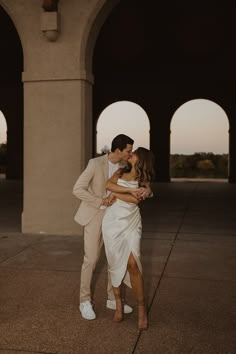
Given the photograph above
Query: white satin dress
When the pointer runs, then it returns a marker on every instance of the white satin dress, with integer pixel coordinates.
(122, 229)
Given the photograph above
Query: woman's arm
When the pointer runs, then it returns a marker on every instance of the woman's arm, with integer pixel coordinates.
(112, 186)
(122, 196)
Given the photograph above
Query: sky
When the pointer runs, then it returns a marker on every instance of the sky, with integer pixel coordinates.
(3, 129)
(123, 117)
(197, 126)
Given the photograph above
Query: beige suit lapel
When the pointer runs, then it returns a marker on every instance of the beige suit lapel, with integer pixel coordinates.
(105, 167)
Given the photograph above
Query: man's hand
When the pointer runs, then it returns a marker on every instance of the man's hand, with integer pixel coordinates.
(109, 200)
(104, 202)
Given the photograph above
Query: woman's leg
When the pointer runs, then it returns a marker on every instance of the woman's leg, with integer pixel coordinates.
(137, 285)
(118, 316)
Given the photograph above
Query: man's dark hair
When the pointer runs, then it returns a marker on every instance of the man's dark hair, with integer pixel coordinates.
(120, 142)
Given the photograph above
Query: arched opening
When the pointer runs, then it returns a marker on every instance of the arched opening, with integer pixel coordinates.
(199, 141)
(162, 59)
(11, 93)
(11, 105)
(122, 117)
(3, 146)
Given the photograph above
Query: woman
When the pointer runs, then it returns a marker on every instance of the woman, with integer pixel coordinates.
(122, 230)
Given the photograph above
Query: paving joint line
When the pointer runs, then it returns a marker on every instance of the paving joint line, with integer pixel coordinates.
(167, 259)
(26, 351)
(17, 269)
(22, 250)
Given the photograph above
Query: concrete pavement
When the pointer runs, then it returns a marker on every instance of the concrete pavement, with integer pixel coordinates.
(189, 261)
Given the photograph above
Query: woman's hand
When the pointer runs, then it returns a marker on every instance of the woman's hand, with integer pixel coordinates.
(144, 193)
(139, 193)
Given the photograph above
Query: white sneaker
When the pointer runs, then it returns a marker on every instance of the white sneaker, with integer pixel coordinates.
(111, 304)
(86, 310)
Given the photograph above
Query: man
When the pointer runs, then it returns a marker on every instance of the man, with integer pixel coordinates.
(90, 189)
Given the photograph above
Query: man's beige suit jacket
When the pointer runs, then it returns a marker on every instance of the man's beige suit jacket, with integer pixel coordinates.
(90, 189)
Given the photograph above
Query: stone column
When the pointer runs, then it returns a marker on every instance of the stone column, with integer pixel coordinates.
(160, 145)
(57, 134)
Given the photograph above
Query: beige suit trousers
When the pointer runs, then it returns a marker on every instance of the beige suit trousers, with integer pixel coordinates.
(93, 243)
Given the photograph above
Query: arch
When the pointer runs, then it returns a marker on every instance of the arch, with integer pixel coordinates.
(11, 92)
(3, 145)
(13, 19)
(11, 104)
(12, 54)
(154, 67)
(3, 128)
(192, 107)
(123, 117)
(200, 126)
(97, 17)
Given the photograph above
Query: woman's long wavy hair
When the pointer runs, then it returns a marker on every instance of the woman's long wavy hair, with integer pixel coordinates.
(145, 165)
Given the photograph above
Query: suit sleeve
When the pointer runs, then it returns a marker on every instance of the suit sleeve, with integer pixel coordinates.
(80, 189)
